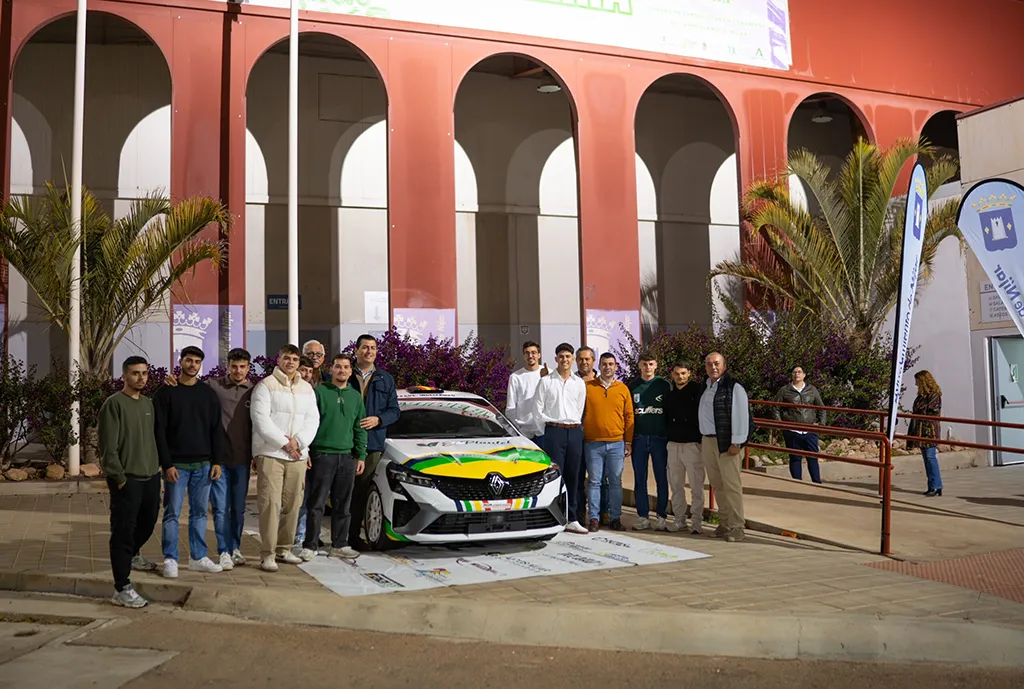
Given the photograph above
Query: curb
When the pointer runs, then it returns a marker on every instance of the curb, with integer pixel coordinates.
(95, 586)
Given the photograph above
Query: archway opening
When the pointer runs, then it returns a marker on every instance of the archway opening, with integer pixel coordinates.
(686, 156)
(126, 154)
(516, 197)
(941, 132)
(343, 223)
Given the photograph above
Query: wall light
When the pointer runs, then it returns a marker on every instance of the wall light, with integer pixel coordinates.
(821, 116)
(549, 85)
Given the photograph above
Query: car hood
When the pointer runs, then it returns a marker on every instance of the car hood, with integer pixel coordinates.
(469, 458)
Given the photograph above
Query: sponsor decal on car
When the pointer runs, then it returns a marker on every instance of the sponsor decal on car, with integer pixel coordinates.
(495, 505)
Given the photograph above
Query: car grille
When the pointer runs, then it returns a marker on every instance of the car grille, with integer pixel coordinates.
(491, 522)
(480, 489)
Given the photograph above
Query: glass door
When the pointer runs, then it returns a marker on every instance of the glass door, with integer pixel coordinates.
(1008, 395)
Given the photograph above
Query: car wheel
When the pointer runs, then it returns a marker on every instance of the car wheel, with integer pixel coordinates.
(376, 536)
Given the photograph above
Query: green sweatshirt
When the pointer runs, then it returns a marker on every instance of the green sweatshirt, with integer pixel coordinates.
(128, 438)
(341, 410)
(649, 405)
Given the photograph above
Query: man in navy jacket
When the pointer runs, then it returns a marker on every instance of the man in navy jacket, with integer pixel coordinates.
(381, 399)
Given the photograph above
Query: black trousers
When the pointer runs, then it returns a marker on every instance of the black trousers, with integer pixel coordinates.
(133, 513)
(565, 448)
(360, 494)
(332, 475)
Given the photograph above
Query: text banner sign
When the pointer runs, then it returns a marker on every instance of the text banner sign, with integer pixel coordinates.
(746, 32)
(910, 267)
(989, 218)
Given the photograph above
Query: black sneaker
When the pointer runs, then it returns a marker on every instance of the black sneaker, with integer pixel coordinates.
(617, 525)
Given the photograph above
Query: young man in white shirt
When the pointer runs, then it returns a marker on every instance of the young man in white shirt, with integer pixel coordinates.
(559, 404)
(522, 386)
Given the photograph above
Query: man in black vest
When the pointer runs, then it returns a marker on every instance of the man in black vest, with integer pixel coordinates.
(724, 418)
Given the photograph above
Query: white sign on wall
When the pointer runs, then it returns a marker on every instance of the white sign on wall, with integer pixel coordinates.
(993, 310)
(745, 32)
(375, 307)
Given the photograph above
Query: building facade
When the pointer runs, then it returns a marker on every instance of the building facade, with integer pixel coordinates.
(463, 178)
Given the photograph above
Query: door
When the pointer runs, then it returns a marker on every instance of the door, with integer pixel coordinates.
(1008, 395)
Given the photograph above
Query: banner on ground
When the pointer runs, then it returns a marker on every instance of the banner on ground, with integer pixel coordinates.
(745, 32)
(989, 218)
(910, 267)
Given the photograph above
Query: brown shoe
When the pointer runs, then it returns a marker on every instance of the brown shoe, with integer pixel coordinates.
(594, 526)
(617, 525)
(606, 519)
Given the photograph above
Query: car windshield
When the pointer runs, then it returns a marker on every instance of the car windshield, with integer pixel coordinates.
(450, 417)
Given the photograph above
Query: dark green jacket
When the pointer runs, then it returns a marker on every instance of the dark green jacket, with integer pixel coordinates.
(341, 410)
(649, 405)
(127, 438)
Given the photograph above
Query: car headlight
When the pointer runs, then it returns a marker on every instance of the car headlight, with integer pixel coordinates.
(400, 474)
(552, 473)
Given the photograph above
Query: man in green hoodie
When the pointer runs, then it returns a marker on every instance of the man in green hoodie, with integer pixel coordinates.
(338, 455)
(130, 460)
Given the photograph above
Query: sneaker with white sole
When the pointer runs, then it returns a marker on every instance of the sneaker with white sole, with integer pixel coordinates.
(675, 526)
(306, 554)
(661, 524)
(204, 565)
(237, 557)
(170, 569)
(141, 563)
(268, 564)
(696, 532)
(226, 562)
(128, 598)
(346, 553)
(575, 527)
(289, 558)
(642, 524)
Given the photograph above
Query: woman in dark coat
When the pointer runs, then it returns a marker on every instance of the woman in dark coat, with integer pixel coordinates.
(927, 403)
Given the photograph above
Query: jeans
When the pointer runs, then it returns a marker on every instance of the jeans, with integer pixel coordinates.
(605, 460)
(133, 513)
(227, 498)
(300, 530)
(931, 468)
(656, 448)
(333, 475)
(197, 483)
(565, 448)
(802, 441)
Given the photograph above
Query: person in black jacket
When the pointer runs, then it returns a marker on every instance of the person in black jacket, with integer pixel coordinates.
(684, 455)
(381, 399)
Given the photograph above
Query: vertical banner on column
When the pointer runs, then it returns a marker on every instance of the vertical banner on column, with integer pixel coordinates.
(606, 330)
(989, 218)
(422, 324)
(213, 328)
(910, 266)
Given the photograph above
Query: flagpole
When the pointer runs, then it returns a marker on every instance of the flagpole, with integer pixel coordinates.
(75, 310)
(293, 175)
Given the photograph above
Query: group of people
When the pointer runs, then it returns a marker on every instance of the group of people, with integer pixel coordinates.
(589, 422)
(309, 438)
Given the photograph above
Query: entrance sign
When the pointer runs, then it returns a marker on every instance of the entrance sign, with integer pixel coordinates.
(745, 32)
(989, 218)
(910, 267)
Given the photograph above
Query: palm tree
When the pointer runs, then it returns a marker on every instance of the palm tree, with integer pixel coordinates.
(128, 265)
(841, 266)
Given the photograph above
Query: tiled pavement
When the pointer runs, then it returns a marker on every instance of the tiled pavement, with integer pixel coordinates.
(68, 534)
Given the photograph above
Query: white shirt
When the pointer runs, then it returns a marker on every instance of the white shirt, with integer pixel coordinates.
(560, 401)
(803, 386)
(519, 408)
(740, 418)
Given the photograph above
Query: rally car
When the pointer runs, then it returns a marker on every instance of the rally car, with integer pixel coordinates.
(454, 470)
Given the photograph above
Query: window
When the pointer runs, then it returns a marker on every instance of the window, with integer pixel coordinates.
(449, 418)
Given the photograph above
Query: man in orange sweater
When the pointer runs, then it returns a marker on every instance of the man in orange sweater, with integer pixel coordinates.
(608, 437)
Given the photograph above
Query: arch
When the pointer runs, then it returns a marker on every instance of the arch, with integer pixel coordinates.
(941, 131)
(557, 186)
(363, 171)
(145, 161)
(257, 183)
(527, 166)
(710, 86)
(723, 199)
(31, 147)
(646, 192)
(855, 111)
(692, 169)
(526, 56)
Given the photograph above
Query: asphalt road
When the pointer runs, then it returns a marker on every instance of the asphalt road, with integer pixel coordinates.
(234, 654)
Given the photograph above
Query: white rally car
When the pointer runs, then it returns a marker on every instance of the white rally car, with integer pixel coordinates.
(454, 470)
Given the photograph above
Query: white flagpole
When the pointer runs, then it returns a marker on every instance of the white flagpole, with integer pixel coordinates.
(75, 311)
(293, 175)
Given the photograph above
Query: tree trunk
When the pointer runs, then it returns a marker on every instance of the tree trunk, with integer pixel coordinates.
(91, 445)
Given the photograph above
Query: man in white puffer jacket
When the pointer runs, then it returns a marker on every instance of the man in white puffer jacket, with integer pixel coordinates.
(284, 422)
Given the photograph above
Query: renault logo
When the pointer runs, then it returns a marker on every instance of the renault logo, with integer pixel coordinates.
(497, 484)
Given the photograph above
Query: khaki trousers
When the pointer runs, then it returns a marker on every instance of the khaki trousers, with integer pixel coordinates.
(724, 475)
(685, 459)
(280, 486)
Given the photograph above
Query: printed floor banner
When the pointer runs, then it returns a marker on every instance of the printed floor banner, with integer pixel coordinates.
(414, 568)
(989, 218)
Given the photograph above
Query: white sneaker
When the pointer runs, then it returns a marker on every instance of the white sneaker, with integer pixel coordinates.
(237, 557)
(140, 563)
(170, 569)
(289, 558)
(226, 563)
(661, 524)
(575, 527)
(268, 564)
(346, 553)
(306, 554)
(204, 565)
(675, 526)
(642, 524)
(128, 598)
